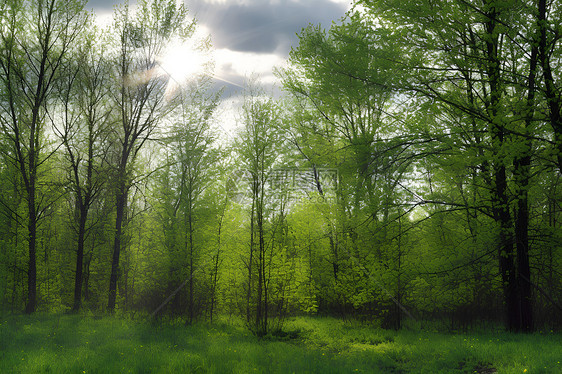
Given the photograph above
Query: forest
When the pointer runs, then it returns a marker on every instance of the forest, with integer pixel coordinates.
(409, 174)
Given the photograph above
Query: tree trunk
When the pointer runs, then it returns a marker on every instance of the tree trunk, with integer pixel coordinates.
(523, 269)
(259, 296)
(501, 202)
(121, 200)
(190, 230)
(522, 166)
(80, 259)
(250, 262)
(217, 262)
(398, 311)
(86, 277)
(31, 188)
(32, 267)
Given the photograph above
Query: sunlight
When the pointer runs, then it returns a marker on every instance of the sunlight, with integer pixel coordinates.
(183, 61)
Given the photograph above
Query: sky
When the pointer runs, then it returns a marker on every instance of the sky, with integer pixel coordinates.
(250, 37)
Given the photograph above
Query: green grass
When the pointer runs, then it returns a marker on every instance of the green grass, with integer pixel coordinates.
(75, 344)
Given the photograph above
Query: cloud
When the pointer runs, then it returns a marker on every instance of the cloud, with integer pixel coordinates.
(249, 36)
(262, 26)
(233, 68)
(245, 63)
(103, 6)
(253, 36)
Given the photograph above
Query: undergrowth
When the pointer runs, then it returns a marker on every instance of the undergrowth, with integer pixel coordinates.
(78, 344)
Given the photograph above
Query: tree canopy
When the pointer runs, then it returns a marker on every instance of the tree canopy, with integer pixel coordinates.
(409, 173)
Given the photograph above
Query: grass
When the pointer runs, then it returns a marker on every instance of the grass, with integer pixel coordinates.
(75, 344)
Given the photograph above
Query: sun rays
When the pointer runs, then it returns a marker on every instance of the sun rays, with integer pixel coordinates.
(183, 61)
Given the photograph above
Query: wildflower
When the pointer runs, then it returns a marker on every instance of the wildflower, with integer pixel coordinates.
(525, 370)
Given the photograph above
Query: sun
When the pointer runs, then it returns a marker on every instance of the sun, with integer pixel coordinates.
(182, 61)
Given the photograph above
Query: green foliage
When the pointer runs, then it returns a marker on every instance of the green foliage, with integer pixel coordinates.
(437, 120)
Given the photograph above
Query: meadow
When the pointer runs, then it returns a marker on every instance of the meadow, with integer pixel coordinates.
(47, 343)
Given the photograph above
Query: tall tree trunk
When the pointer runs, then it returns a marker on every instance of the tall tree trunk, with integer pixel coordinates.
(217, 262)
(259, 296)
(264, 278)
(397, 309)
(215, 276)
(121, 201)
(31, 187)
(15, 266)
(190, 232)
(250, 262)
(522, 171)
(501, 202)
(80, 259)
(32, 267)
(523, 269)
(505, 252)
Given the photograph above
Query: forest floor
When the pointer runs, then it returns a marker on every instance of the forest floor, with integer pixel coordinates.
(76, 344)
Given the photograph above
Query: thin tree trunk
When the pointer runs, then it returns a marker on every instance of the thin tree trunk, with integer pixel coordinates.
(15, 267)
(252, 223)
(217, 261)
(190, 228)
(261, 260)
(80, 260)
(121, 200)
(397, 309)
(32, 266)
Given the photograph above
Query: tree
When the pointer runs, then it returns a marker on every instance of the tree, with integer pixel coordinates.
(330, 74)
(140, 98)
(257, 148)
(31, 60)
(83, 130)
(478, 63)
(193, 157)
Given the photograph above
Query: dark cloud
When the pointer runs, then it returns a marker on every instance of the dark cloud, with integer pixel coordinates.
(103, 6)
(263, 26)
